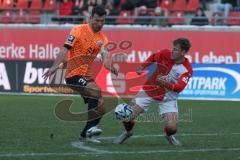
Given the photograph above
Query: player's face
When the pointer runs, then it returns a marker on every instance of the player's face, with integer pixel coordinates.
(97, 22)
(177, 52)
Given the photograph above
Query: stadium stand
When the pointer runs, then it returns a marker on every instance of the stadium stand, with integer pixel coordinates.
(119, 11)
(192, 5)
(50, 5)
(179, 5)
(233, 18)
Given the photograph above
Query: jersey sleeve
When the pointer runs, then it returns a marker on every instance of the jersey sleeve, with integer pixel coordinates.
(105, 41)
(181, 84)
(72, 37)
(149, 61)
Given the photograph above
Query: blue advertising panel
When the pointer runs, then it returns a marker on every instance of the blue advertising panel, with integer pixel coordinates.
(213, 81)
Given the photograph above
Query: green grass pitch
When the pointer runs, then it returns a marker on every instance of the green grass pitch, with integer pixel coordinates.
(208, 130)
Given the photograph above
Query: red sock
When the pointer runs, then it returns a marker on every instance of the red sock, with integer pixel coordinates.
(129, 125)
(169, 131)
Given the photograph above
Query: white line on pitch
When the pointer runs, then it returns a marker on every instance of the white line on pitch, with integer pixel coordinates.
(118, 152)
(179, 135)
(82, 146)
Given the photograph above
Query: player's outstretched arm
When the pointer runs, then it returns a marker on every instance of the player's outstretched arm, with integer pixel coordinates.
(59, 62)
(147, 63)
(106, 61)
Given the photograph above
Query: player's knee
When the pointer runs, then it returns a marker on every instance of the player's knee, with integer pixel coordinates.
(96, 92)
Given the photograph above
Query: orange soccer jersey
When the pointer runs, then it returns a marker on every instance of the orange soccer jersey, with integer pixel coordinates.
(84, 50)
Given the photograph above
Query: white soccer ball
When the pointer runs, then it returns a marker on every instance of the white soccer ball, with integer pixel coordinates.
(124, 112)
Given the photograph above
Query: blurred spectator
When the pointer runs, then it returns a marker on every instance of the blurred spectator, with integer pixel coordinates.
(232, 2)
(200, 18)
(127, 5)
(144, 17)
(160, 17)
(221, 6)
(148, 3)
(110, 12)
(87, 8)
(77, 6)
(65, 8)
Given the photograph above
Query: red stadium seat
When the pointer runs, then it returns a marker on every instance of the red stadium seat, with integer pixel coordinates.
(233, 18)
(7, 17)
(6, 4)
(177, 18)
(20, 17)
(34, 17)
(167, 4)
(122, 19)
(179, 5)
(50, 5)
(192, 5)
(36, 5)
(23, 4)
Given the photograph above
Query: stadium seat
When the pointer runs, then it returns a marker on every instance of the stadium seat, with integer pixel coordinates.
(34, 17)
(167, 4)
(123, 18)
(20, 16)
(233, 18)
(7, 16)
(50, 5)
(6, 4)
(192, 5)
(179, 5)
(36, 5)
(23, 4)
(176, 18)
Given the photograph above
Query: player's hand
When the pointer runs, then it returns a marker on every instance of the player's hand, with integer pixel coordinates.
(140, 70)
(49, 72)
(100, 44)
(114, 70)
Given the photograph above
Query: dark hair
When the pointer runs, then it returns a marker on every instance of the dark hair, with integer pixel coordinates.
(99, 10)
(183, 42)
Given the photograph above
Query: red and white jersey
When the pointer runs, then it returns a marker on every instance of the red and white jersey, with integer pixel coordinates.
(177, 76)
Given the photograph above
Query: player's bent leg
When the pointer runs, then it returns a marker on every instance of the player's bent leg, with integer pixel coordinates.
(128, 125)
(171, 120)
(95, 110)
(92, 90)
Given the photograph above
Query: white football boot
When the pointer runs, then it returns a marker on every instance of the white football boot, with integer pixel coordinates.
(91, 135)
(94, 131)
(123, 137)
(172, 140)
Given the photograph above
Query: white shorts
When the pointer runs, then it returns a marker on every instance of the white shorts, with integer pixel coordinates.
(144, 101)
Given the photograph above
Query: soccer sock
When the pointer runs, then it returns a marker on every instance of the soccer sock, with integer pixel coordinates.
(169, 131)
(129, 125)
(93, 104)
(93, 117)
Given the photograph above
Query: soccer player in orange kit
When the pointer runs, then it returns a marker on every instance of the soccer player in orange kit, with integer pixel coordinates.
(84, 43)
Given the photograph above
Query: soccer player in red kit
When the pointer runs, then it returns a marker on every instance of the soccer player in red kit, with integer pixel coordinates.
(162, 87)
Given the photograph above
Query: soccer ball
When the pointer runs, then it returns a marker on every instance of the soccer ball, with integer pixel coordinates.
(123, 112)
